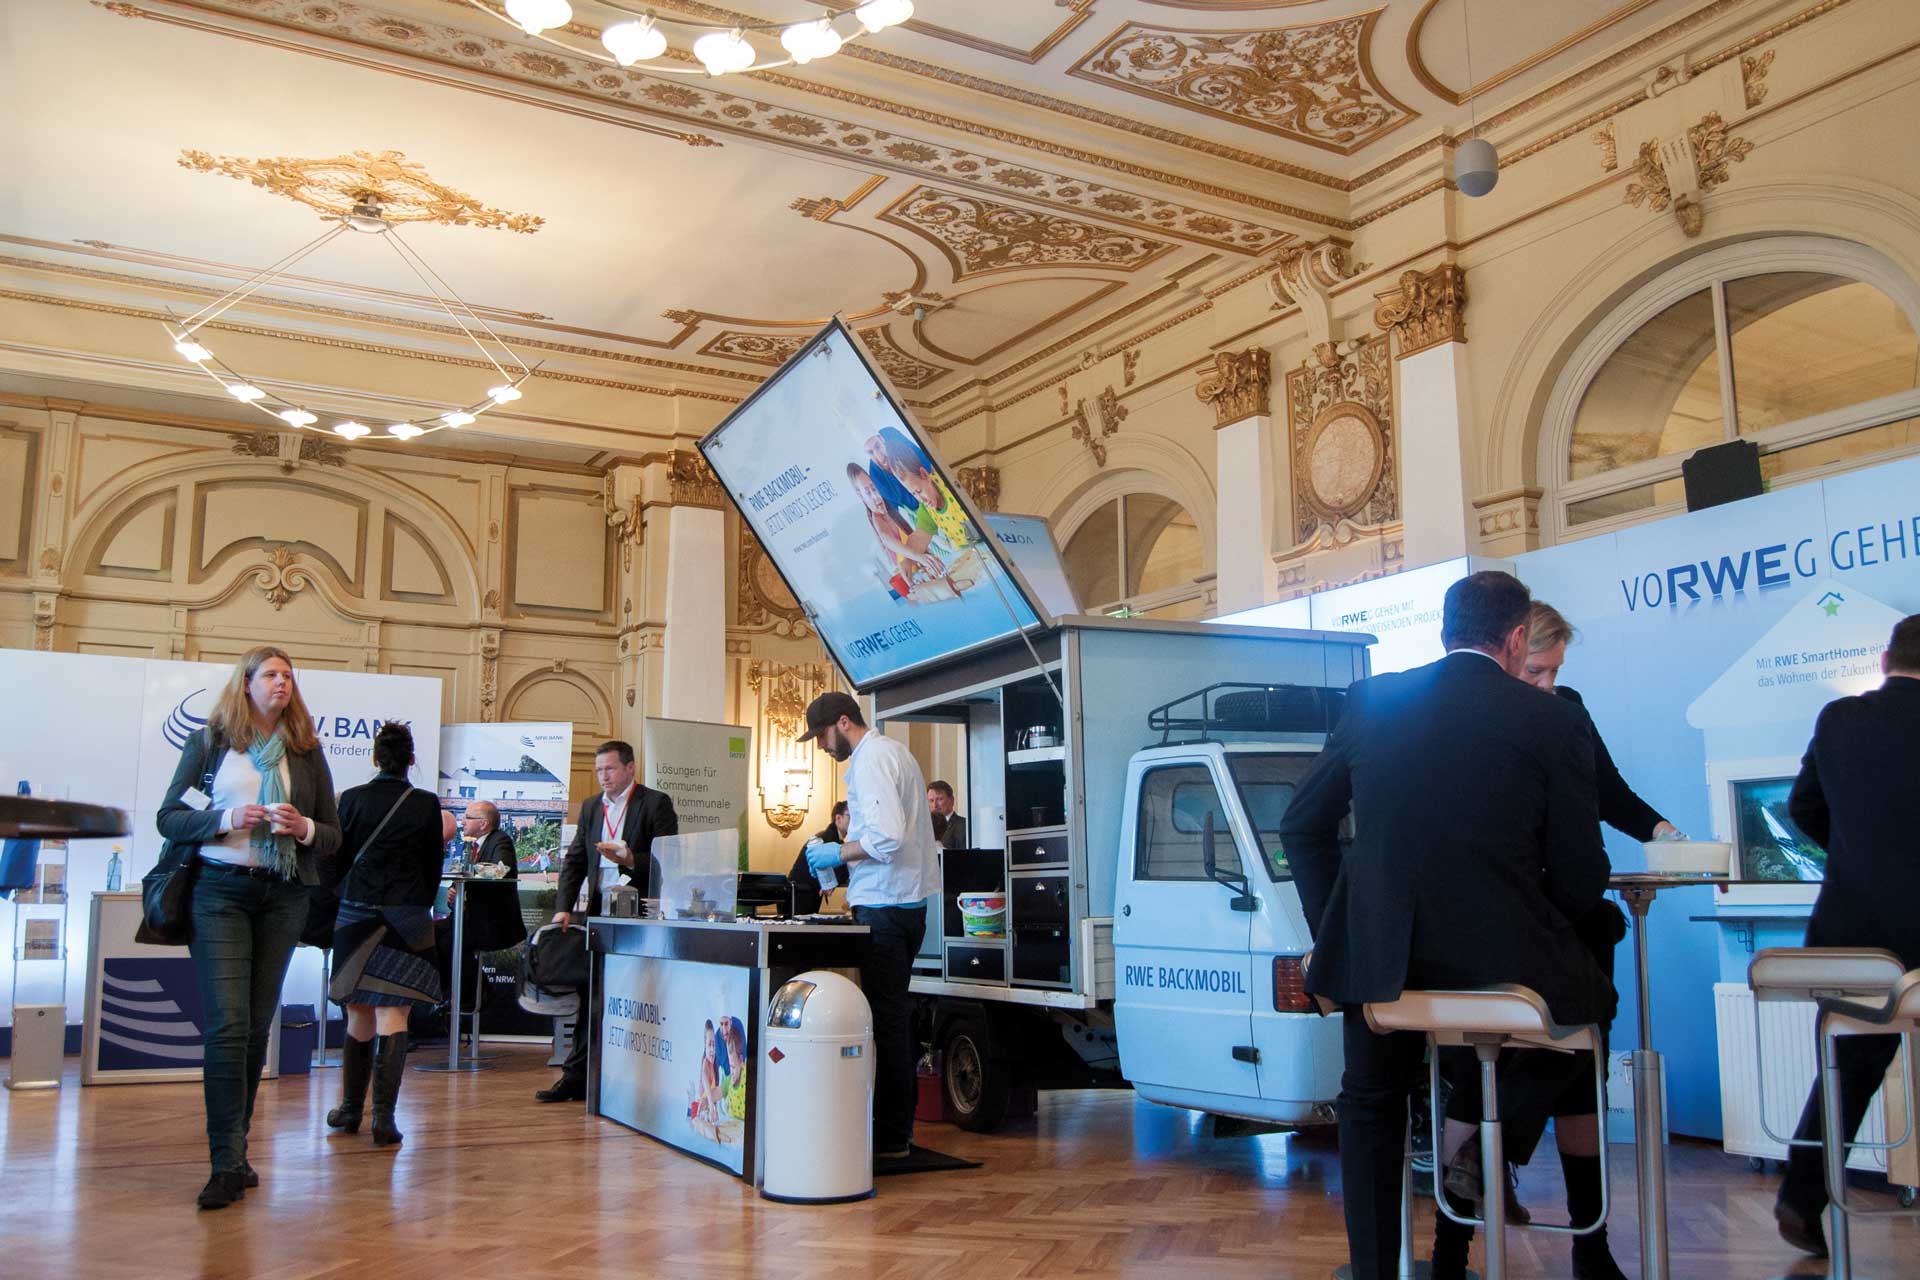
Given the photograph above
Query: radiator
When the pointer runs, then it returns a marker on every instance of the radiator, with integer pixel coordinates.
(1786, 1037)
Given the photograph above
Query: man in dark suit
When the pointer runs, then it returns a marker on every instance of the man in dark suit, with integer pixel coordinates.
(620, 825)
(1476, 841)
(1856, 798)
(949, 828)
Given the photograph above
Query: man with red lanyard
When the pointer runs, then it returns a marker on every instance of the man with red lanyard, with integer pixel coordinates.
(618, 825)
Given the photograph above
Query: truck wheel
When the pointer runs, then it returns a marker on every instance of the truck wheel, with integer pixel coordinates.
(976, 1086)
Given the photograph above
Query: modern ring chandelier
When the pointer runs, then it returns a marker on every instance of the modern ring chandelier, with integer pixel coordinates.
(722, 49)
(366, 218)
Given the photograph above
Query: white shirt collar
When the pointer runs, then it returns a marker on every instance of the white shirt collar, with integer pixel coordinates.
(1481, 653)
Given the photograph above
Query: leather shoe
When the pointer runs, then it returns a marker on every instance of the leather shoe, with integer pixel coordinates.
(1801, 1230)
(565, 1089)
(249, 1177)
(1463, 1182)
(222, 1189)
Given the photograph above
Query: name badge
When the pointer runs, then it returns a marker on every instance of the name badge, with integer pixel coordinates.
(195, 798)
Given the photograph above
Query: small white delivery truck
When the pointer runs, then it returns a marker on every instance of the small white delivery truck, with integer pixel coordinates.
(1125, 796)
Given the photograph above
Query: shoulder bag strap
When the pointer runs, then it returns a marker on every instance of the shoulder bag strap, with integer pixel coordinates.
(368, 842)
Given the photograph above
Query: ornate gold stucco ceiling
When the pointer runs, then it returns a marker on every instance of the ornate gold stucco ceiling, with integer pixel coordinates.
(1024, 168)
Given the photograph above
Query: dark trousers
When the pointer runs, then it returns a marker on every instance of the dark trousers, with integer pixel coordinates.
(1380, 1076)
(885, 976)
(586, 1028)
(244, 932)
(1863, 1065)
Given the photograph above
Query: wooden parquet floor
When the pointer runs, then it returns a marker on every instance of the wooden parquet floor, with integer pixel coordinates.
(493, 1186)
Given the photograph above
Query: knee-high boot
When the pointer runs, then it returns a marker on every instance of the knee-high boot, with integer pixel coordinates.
(356, 1067)
(1592, 1260)
(1451, 1240)
(389, 1064)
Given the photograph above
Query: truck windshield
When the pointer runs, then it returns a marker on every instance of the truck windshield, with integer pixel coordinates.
(1267, 782)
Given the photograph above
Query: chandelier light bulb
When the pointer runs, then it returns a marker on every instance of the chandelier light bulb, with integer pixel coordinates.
(723, 51)
(505, 394)
(191, 350)
(805, 41)
(458, 418)
(297, 417)
(878, 15)
(535, 16)
(351, 430)
(246, 391)
(636, 41)
(404, 431)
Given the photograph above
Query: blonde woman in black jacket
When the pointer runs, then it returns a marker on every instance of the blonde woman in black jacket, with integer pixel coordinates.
(251, 798)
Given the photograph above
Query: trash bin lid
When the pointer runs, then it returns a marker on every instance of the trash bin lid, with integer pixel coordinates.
(822, 1004)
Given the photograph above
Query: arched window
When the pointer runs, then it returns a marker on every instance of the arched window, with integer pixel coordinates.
(1806, 346)
(1140, 553)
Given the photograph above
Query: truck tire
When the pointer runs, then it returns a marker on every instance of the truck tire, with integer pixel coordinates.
(976, 1085)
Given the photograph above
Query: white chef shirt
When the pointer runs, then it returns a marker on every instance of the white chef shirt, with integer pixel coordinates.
(887, 813)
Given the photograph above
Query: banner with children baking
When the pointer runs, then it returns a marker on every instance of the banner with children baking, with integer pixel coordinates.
(873, 537)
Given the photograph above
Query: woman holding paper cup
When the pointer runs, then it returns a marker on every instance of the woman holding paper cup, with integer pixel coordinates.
(252, 801)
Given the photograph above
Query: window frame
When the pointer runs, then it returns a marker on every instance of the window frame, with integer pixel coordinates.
(1712, 271)
(1223, 838)
(1125, 605)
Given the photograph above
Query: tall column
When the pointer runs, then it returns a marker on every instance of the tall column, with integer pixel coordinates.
(696, 592)
(1237, 388)
(1427, 311)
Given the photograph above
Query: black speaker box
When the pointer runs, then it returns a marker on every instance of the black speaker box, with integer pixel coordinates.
(1724, 473)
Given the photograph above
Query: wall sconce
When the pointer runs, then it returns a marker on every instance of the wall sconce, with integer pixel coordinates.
(785, 764)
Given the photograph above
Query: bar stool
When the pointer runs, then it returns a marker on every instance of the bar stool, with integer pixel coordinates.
(1845, 977)
(1488, 1021)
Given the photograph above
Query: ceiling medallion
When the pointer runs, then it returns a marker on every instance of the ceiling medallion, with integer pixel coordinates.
(366, 215)
(634, 37)
(403, 189)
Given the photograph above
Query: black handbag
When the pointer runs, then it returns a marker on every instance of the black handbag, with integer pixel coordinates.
(557, 959)
(166, 898)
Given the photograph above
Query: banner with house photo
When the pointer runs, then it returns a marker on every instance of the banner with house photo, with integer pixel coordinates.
(521, 769)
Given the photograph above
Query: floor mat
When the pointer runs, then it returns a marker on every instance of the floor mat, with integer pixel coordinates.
(921, 1160)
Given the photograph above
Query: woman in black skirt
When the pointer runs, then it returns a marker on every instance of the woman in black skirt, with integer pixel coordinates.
(383, 943)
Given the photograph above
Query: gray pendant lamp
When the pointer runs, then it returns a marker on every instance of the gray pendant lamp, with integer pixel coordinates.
(1476, 165)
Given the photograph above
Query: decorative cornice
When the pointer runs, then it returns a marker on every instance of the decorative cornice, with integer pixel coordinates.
(1426, 308)
(308, 448)
(1238, 385)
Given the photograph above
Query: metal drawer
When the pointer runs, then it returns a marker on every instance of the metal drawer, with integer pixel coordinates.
(1042, 957)
(1037, 901)
(976, 964)
(1044, 847)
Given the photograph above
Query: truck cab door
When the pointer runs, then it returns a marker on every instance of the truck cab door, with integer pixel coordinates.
(1183, 1005)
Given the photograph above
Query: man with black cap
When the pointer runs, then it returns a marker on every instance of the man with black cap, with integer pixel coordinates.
(892, 866)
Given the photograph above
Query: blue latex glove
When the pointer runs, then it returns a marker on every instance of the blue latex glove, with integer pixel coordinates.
(822, 856)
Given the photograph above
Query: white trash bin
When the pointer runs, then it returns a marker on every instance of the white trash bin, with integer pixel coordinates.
(818, 1092)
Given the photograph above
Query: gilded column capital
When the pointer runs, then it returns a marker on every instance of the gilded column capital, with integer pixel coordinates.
(982, 485)
(691, 483)
(1427, 308)
(1238, 385)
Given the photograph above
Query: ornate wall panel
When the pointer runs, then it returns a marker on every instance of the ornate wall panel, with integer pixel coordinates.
(979, 236)
(1312, 83)
(325, 525)
(410, 569)
(20, 464)
(139, 542)
(549, 572)
(1345, 454)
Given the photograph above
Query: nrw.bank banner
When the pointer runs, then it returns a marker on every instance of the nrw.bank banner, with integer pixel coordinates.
(704, 768)
(108, 730)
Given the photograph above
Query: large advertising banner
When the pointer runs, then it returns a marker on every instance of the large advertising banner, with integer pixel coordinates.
(522, 770)
(704, 768)
(870, 533)
(674, 1062)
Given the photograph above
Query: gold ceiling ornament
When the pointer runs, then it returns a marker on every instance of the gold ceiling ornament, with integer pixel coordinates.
(756, 348)
(1753, 77)
(1609, 143)
(333, 186)
(906, 371)
(1129, 366)
(1237, 386)
(1111, 413)
(1340, 420)
(1677, 172)
(625, 519)
(1312, 83)
(982, 484)
(1426, 308)
(298, 447)
(981, 236)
